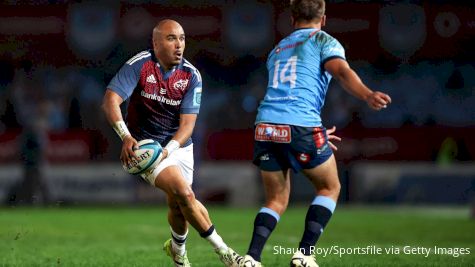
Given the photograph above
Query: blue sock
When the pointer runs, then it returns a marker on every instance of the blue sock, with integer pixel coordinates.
(318, 215)
(264, 224)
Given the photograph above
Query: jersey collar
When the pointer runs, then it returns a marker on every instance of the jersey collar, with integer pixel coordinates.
(299, 29)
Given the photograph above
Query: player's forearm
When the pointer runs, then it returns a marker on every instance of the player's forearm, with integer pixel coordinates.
(184, 133)
(185, 129)
(350, 81)
(181, 137)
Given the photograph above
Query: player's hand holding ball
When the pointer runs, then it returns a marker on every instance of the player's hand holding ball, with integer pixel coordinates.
(129, 144)
(146, 154)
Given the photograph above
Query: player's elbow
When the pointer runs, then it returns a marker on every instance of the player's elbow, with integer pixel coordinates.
(338, 68)
(105, 106)
(111, 101)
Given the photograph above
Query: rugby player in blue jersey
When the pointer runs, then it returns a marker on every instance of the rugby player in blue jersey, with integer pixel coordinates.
(289, 134)
(164, 93)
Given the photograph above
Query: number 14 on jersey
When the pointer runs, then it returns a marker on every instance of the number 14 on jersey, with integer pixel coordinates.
(288, 73)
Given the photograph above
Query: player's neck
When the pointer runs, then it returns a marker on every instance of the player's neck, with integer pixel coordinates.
(165, 67)
(307, 25)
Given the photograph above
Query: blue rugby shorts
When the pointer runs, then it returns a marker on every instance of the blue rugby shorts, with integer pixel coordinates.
(280, 147)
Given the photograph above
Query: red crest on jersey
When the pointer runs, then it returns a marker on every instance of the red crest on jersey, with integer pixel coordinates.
(180, 84)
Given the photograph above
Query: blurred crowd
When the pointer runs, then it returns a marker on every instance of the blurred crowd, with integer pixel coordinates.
(66, 99)
(38, 93)
(57, 57)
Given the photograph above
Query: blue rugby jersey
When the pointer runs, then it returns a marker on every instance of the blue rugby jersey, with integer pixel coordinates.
(157, 98)
(298, 81)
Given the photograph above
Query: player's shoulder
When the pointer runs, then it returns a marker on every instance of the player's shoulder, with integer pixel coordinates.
(325, 37)
(187, 66)
(140, 57)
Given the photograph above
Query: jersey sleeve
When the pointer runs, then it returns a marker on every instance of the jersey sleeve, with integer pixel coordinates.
(192, 99)
(126, 79)
(331, 49)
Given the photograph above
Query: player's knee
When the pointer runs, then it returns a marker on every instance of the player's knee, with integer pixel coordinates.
(184, 196)
(335, 191)
(335, 188)
(330, 189)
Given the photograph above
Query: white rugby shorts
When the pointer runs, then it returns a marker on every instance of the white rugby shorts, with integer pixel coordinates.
(182, 157)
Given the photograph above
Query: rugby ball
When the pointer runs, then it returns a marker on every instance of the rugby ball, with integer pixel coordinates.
(149, 155)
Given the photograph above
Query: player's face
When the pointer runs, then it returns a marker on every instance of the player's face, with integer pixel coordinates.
(169, 45)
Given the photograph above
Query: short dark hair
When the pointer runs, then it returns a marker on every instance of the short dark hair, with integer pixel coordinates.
(307, 10)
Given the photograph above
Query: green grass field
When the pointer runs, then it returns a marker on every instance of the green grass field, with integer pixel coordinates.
(134, 236)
